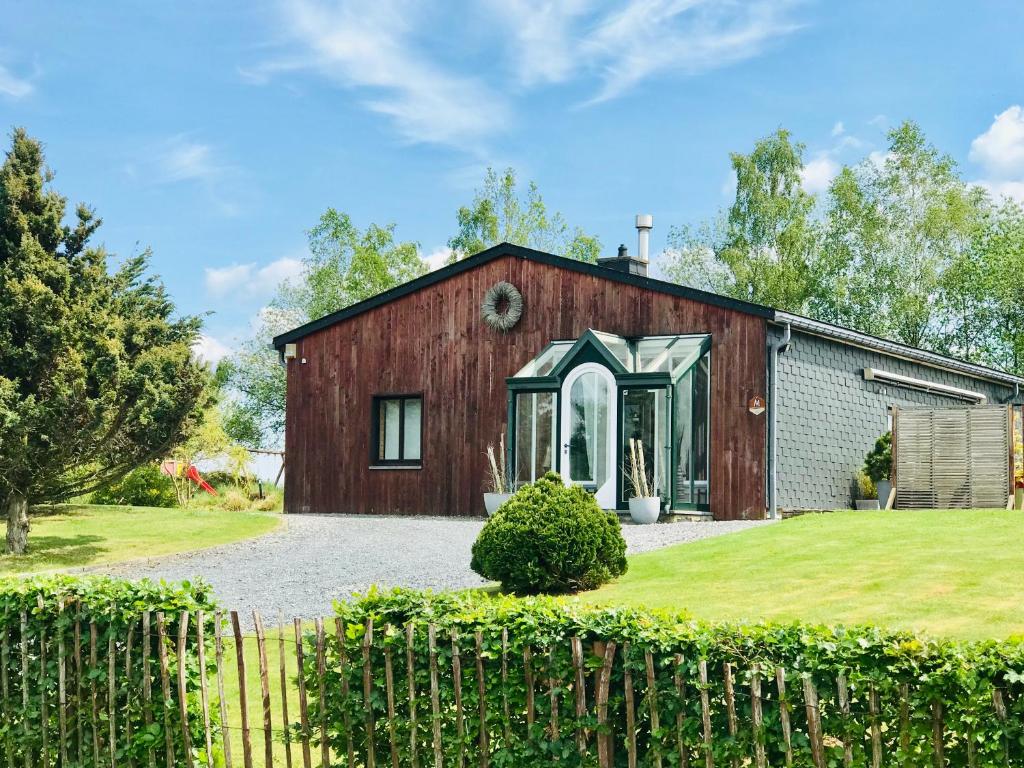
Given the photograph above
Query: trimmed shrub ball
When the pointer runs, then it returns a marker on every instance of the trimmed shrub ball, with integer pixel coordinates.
(550, 538)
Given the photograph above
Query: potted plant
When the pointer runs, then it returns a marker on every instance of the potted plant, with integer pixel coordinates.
(878, 467)
(867, 493)
(644, 505)
(499, 484)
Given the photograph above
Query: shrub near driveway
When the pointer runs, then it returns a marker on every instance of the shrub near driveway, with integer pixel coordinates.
(550, 538)
(918, 695)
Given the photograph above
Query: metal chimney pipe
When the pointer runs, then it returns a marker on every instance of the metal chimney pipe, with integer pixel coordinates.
(644, 225)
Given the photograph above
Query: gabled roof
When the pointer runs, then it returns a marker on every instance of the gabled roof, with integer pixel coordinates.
(798, 322)
(507, 249)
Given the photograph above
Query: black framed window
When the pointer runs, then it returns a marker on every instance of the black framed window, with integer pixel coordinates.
(397, 430)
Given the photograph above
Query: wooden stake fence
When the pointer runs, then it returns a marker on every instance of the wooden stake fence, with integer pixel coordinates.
(660, 709)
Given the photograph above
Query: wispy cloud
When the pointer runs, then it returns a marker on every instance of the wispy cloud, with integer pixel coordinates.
(183, 160)
(387, 52)
(250, 280)
(546, 35)
(654, 37)
(12, 85)
(369, 46)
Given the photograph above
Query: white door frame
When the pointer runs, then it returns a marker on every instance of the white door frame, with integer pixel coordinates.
(605, 494)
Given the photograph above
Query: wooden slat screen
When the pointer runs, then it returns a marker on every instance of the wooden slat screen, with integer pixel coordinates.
(952, 458)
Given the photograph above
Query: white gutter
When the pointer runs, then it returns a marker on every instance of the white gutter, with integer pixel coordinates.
(899, 380)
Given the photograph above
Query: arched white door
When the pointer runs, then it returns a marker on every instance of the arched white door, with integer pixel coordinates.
(588, 431)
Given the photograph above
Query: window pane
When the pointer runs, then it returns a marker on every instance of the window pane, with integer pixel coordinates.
(683, 438)
(644, 418)
(413, 419)
(544, 451)
(588, 434)
(535, 441)
(388, 437)
(701, 427)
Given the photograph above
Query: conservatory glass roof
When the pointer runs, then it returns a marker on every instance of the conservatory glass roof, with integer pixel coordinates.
(672, 355)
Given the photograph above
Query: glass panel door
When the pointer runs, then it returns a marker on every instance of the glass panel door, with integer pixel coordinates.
(588, 429)
(645, 417)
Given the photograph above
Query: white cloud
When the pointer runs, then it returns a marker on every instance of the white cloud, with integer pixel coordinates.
(248, 280)
(210, 350)
(838, 129)
(369, 46)
(1000, 149)
(185, 160)
(438, 257)
(818, 173)
(545, 38)
(1003, 188)
(651, 37)
(12, 85)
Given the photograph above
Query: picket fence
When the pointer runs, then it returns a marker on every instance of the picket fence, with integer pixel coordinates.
(192, 719)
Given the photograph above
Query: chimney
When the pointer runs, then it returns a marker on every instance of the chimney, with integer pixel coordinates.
(644, 225)
(633, 265)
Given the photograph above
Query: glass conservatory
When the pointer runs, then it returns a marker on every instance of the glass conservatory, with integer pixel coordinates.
(575, 407)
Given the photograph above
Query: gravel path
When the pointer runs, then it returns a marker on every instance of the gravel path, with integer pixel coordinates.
(315, 559)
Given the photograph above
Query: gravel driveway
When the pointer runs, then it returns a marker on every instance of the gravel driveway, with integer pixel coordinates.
(314, 559)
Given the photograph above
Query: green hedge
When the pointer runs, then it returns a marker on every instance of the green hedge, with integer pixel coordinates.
(45, 620)
(914, 679)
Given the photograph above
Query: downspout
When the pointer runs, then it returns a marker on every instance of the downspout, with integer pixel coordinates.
(777, 348)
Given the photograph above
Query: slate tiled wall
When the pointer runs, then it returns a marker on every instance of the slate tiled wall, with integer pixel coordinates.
(829, 417)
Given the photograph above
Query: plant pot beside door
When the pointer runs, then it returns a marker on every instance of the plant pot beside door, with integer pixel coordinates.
(645, 510)
(494, 500)
(644, 507)
(499, 481)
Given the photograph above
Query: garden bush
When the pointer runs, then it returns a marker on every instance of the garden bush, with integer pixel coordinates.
(145, 486)
(500, 674)
(45, 621)
(550, 538)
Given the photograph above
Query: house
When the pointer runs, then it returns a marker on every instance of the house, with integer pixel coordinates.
(393, 401)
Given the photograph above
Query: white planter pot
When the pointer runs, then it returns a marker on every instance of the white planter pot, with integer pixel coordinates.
(645, 510)
(494, 500)
(867, 504)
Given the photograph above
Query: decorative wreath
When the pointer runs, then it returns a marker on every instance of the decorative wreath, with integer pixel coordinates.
(502, 306)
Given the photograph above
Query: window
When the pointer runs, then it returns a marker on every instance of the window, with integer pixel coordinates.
(397, 430)
(535, 435)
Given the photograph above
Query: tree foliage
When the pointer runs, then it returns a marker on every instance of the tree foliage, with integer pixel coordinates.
(96, 374)
(900, 246)
(344, 266)
(762, 250)
(500, 214)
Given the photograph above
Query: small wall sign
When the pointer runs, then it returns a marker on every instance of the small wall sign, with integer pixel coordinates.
(756, 405)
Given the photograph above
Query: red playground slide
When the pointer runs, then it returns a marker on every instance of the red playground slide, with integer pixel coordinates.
(195, 477)
(170, 468)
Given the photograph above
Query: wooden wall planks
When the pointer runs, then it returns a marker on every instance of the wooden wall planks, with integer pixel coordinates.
(433, 342)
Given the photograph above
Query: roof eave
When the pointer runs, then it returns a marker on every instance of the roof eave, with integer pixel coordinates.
(507, 249)
(894, 348)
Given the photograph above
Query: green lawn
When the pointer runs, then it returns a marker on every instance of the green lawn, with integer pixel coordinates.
(80, 534)
(953, 573)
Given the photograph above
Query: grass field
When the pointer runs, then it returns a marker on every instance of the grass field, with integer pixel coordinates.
(953, 573)
(78, 535)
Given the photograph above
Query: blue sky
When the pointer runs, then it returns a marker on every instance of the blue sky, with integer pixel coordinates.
(216, 133)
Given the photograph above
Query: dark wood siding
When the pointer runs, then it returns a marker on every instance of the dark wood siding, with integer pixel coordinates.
(433, 342)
